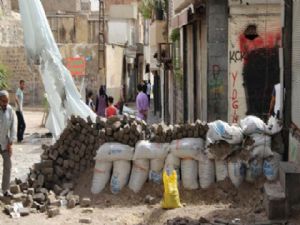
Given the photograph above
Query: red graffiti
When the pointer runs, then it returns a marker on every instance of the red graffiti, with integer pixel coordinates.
(234, 98)
(268, 40)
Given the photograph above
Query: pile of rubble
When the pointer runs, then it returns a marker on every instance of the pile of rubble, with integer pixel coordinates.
(26, 199)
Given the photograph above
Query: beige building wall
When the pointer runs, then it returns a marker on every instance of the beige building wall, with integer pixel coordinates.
(114, 70)
(269, 31)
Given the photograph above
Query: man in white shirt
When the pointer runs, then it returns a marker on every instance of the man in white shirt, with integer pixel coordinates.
(7, 135)
(19, 111)
(275, 101)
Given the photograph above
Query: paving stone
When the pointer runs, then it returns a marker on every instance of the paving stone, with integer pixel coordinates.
(85, 202)
(39, 197)
(15, 189)
(88, 210)
(52, 212)
(85, 220)
(24, 211)
(30, 191)
(29, 201)
(71, 203)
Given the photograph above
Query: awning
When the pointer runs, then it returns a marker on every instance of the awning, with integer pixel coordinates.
(180, 19)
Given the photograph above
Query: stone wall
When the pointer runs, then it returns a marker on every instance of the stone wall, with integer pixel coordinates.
(13, 57)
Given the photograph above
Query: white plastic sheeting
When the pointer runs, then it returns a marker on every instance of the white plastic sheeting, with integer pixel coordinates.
(63, 96)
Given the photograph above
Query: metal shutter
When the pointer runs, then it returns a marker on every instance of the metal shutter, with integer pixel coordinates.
(296, 64)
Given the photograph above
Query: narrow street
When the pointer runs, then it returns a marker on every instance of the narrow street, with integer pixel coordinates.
(220, 144)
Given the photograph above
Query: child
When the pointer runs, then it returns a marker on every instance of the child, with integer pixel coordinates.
(110, 110)
(90, 102)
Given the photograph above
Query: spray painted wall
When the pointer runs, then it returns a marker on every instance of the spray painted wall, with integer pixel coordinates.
(254, 41)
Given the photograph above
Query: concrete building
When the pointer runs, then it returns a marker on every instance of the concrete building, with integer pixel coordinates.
(125, 49)
(229, 55)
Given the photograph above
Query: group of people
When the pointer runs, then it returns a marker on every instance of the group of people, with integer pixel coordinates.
(104, 106)
(8, 133)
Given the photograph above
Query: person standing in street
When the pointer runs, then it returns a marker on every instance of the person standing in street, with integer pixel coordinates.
(101, 102)
(149, 91)
(7, 135)
(274, 109)
(142, 104)
(90, 101)
(19, 111)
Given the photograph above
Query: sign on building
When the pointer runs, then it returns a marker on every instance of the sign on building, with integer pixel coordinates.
(76, 65)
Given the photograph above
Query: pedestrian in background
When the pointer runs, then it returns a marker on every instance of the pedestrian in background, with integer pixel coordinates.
(149, 91)
(101, 102)
(90, 101)
(111, 109)
(19, 111)
(142, 104)
(7, 135)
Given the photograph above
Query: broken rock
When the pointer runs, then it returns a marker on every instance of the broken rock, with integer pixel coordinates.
(15, 189)
(53, 212)
(85, 202)
(24, 211)
(85, 220)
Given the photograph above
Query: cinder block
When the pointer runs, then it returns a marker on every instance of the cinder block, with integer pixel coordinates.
(275, 201)
(289, 176)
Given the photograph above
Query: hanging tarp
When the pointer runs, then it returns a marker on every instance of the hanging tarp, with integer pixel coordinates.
(63, 96)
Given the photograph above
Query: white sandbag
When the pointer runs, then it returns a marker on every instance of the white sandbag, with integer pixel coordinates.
(253, 124)
(271, 167)
(221, 169)
(254, 170)
(261, 152)
(189, 174)
(220, 130)
(114, 151)
(236, 172)
(139, 174)
(147, 150)
(261, 139)
(156, 169)
(172, 163)
(274, 125)
(236, 135)
(206, 172)
(187, 147)
(120, 175)
(101, 176)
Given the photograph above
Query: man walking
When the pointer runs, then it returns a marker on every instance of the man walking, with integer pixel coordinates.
(19, 111)
(7, 135)
(142, 104)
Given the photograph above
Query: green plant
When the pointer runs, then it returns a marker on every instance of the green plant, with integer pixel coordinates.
(146, 8)
(175, 35)
(3, 77)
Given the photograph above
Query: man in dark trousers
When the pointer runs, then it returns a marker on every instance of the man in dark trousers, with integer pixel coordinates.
(19, 111)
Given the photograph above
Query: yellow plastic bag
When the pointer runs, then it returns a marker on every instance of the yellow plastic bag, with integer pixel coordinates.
(171, 194)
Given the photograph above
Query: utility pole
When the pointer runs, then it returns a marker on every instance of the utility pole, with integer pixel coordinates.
(101, 41)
